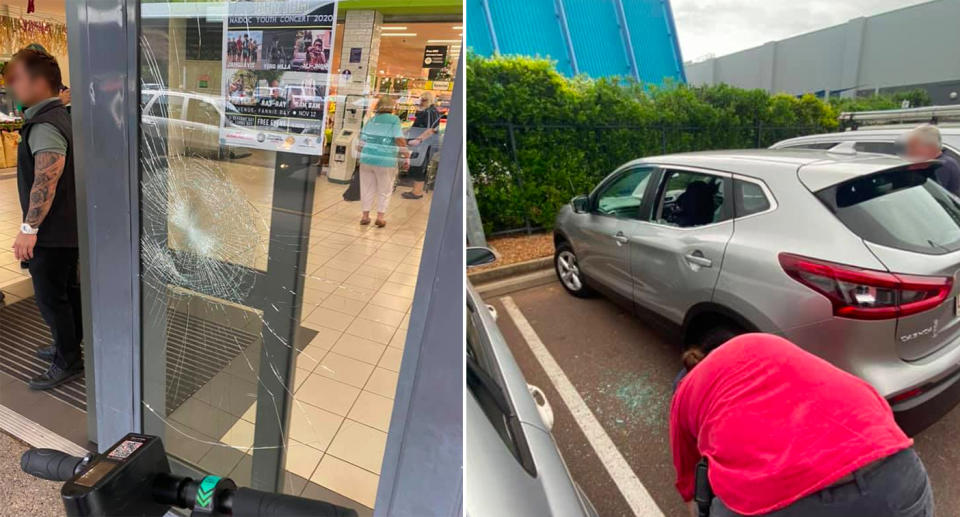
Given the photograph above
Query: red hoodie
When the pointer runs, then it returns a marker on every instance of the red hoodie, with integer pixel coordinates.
(776, 424)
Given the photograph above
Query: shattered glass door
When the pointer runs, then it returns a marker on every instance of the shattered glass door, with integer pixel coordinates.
(223, 247)
(274, 321)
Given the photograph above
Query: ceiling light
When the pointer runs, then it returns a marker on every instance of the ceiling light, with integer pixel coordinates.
(393, 28)
(443, 41)
(457, 27)
(385, 34)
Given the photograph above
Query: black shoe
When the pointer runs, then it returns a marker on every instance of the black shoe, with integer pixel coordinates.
(46, 352)
(55, 376)
(410, 195)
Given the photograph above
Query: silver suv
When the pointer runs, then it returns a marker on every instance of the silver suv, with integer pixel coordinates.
(852, 256)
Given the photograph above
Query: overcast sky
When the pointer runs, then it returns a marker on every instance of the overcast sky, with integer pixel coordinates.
(720, 27)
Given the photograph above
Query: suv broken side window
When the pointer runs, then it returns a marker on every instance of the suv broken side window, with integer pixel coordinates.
(689, 199)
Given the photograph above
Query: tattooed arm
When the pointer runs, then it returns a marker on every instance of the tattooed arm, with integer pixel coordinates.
(47, 171)
(48, 167)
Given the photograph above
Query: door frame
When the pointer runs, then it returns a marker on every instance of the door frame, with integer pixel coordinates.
(104, 62)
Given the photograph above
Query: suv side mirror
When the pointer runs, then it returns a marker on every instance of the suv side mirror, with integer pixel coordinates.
(478, 256)
(581, 204)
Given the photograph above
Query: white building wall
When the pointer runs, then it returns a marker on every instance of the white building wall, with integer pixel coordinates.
(810, 62)
(913, 46)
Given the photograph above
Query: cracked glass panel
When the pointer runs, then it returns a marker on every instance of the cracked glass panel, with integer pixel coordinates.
(274, 322)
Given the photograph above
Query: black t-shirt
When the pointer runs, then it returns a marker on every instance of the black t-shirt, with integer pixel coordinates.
(948, 175)
(428, 118)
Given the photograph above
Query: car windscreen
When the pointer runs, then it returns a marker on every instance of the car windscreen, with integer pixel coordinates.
(903, 208)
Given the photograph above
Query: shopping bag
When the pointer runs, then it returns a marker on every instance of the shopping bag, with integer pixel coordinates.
(353, 190)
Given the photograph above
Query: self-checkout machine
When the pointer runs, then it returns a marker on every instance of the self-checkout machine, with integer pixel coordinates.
(343, 151)
(356, 79)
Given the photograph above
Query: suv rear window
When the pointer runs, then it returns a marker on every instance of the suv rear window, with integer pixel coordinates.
(903, 209)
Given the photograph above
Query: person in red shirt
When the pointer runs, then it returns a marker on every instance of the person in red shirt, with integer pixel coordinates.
(786, 434)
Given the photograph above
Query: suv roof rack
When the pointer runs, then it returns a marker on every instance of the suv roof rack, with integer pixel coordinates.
(851, 120)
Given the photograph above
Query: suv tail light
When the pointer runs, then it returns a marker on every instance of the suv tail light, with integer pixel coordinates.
(866, 294)
(907, 395)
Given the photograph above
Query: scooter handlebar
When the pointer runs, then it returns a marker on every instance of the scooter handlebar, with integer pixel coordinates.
(178, 491)
(49, 464)
(254, 503)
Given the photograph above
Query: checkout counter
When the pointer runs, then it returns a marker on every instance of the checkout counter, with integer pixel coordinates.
(343, 149)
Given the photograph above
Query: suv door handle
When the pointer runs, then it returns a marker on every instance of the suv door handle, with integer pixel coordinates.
(698, 259)
(620, 238)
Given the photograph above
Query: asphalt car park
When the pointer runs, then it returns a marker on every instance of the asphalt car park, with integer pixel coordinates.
(623, 370)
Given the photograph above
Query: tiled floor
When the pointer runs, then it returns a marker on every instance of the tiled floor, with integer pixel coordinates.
(358, 292)
(358, 296)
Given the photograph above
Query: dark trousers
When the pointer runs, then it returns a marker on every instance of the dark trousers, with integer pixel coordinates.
(896, 487)
(56, 289)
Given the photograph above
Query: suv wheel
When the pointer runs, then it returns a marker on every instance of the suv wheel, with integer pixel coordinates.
(717, 336)
(568, 271)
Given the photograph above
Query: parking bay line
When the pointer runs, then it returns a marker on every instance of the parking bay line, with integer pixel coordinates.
(637, 496)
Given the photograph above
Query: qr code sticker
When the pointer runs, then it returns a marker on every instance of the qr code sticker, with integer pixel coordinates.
(124, 450)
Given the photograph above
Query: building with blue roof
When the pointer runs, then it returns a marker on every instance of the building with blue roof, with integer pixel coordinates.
(597, 38)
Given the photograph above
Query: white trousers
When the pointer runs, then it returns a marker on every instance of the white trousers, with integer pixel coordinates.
(376, 186)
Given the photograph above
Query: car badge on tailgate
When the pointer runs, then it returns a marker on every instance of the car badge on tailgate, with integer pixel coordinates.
(929, 331)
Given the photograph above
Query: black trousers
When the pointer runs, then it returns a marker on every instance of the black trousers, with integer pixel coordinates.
(56, 288)
(896, 487)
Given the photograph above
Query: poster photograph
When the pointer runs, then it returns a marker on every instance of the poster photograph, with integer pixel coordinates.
(243, 48)
(277, 74)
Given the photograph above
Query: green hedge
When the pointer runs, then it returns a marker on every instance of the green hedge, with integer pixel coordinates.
(536, 138)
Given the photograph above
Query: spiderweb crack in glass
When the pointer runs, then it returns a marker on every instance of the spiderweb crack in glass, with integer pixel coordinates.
(203, 248)
(201, 226)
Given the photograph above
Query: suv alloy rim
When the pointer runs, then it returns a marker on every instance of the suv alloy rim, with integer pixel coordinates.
(569, 272)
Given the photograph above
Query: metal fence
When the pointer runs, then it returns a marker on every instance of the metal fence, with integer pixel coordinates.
(523, 174)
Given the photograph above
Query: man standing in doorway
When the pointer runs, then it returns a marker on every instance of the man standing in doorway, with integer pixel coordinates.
(48, 235)
(925, 143)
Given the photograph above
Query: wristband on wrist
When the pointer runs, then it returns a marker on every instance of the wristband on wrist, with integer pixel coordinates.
(26, 229)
